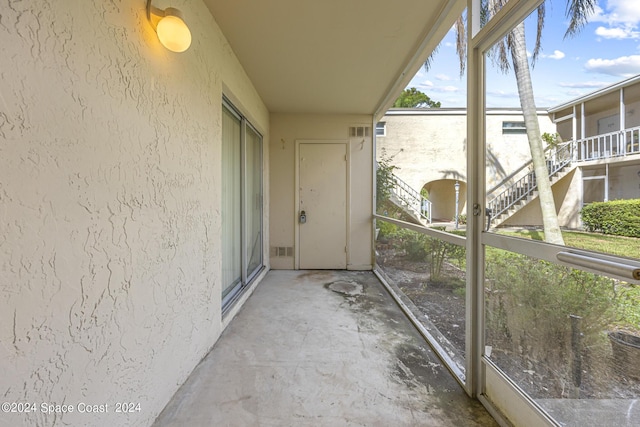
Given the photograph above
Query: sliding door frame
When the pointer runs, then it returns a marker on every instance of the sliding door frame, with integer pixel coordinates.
(246, 276)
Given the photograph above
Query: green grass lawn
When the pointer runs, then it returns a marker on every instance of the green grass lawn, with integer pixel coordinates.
(614, 245)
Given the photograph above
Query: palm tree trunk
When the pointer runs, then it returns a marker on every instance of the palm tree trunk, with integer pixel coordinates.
(552, 233)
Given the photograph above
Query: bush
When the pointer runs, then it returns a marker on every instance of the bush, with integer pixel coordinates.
(387, 229)
(440, 253)
(412, 243)
(384, 179)
(618, 217)
(529, 303)
(435, 252)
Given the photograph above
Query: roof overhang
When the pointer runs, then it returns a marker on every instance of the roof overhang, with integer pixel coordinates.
(333, 56)
(597, 94)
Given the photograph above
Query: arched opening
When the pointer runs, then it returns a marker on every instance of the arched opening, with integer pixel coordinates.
(442, 194)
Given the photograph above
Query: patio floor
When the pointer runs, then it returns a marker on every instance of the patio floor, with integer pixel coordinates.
(321, 348)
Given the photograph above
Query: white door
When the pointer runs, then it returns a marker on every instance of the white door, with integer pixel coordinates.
(322, 236)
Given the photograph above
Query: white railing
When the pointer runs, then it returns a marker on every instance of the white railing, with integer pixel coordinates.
(613, 144)
(411, 198)
(500, 202)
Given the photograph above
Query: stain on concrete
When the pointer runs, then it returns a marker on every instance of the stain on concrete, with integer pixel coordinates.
(414, 367)
(348, 288)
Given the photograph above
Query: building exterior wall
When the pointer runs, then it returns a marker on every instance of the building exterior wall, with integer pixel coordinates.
(425, 148)
(565, 127)
(623, 181)
(110, 190)
(286, 129)
(568, 200)
(429, 148)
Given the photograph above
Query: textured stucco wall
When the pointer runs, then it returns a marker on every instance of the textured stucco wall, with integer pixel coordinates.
(285, 130)
(109, 204)
(432, 146)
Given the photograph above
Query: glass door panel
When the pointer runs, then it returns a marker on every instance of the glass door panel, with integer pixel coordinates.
(253, 201)
(231, 204)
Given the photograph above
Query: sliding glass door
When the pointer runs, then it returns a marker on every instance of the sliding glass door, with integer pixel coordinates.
(242, 254)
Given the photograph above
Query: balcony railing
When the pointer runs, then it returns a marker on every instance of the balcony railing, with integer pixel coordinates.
(613, 144)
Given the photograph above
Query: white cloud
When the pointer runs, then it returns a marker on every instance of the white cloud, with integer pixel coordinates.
(624, 10)
(443, 77)
(584, 85)
(618, 12)
(617, 33)
(557, 54)
(625, 66)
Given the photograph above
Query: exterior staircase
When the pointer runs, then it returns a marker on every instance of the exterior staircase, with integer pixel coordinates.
(506, 200)
(410, 201)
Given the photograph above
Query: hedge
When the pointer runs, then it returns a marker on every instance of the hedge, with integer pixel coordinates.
(618, 217)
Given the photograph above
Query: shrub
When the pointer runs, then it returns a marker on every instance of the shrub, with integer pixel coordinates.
(412, 243)
(387, 229)
(384, 179)
(618, 217)
(529, 302)
(441, 252)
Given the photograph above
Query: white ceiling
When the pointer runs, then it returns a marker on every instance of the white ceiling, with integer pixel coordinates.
(332, 56)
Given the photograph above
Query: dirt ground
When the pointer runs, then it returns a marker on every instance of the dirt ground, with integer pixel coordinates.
(445, 308)
(440, 304)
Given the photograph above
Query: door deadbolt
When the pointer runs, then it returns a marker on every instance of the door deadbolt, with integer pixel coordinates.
(303, 217)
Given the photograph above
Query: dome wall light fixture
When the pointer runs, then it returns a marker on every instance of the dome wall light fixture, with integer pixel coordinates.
(172, 31)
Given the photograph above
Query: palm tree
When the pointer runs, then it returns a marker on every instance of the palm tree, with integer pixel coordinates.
(514, 44)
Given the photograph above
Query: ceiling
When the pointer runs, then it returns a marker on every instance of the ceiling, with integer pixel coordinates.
(333, 56)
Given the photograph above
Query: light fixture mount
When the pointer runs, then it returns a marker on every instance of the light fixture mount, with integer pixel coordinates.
(169, 24)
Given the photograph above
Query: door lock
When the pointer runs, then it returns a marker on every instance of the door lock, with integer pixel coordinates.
(303, 217)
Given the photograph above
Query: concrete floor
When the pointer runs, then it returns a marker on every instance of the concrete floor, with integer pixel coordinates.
(321, 348)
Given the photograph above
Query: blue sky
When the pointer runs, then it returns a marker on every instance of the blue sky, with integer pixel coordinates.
(606, 51)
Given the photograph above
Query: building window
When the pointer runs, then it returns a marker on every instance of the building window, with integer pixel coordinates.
(513, 127)
(381, 129)
(241, 212)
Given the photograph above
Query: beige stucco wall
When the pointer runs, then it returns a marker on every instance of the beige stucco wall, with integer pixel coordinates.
(109, 201)
(624, 181)
(425, 148)
(432, 146)
(286, 129)
(429, 149)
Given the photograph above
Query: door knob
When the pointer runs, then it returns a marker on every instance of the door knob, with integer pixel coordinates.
(303, 217)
